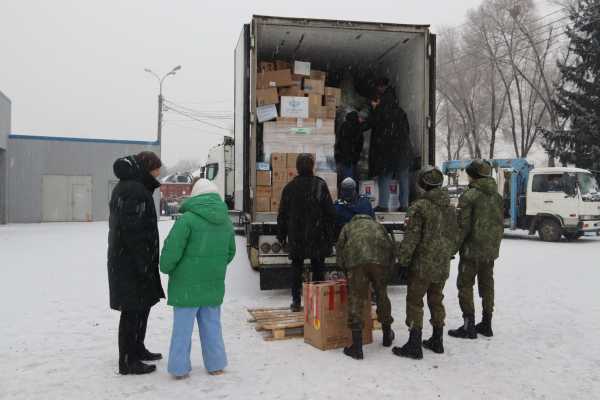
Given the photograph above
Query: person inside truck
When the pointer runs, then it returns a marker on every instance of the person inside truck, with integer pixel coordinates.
(349, 144)
(390, 149)
(554, 183)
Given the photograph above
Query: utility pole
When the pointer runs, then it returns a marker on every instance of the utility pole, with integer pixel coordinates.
(160, 101)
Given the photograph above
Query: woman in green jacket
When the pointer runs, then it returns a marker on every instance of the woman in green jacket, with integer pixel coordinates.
(195, 255)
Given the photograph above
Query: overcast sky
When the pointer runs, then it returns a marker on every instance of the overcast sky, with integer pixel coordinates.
(76, 68)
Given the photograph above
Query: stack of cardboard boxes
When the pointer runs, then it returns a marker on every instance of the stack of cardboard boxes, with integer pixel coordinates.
(297, 111)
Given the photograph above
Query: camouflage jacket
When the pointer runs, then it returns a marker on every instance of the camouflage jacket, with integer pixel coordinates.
(364, 241)
(431, 236)
(481, 220)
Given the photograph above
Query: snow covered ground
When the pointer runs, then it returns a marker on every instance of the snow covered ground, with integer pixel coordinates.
(58, 338)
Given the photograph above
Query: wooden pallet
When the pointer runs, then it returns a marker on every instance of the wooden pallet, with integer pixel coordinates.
(278, 323)
(281, 323)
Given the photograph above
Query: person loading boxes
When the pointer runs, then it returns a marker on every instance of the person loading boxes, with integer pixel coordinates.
(390, 149)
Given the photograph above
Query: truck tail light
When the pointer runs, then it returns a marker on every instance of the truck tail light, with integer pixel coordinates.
(265, 248)
(276, 247)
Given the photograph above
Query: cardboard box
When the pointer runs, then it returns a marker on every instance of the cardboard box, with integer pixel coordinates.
(280, 176)
(329, 177)
(271, 79)
(268, 96)
(326, 315)
(293, 91)
(266, 113)
(291, 160)
(330, 101)
(274, 205)
(318, 112)
(263, 178)
(263, 191)
(291, 174)
(277, 190)
(278, 161)
(302, 68)
(324, 126)
(279, 65)
(262, 204)
(294, 107)
(314, 86)
(336, 92)
(265, 66)
(320, 75)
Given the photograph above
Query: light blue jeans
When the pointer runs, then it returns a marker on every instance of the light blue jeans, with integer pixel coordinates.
(211, 339)
(403, 176)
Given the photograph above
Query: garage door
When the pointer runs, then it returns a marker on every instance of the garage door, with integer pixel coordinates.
(66, 198)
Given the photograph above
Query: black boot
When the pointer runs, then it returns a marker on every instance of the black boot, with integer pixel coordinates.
(467, 331)
(485, 326)
(296, 306)
(146, 355)
(388, 335)
(436, 342)
(355, 350)
(135, 368)
(412, 348)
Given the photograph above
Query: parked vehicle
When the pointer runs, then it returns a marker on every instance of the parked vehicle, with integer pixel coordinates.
(173, 189)
(553, 201)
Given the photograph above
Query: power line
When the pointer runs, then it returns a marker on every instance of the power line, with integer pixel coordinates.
(190, 128)
(521, 36)
(201, 114)
(170, 108)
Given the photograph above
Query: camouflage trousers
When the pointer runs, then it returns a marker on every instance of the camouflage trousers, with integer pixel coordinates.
(417, 289)
(467, 271)
(359, 278)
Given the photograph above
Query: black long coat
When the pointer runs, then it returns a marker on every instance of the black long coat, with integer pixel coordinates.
(307, 218)
(349, 140)
(133, 242)
(390, 146)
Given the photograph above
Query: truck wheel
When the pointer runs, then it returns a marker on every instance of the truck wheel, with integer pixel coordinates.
(571, 237)
(549, 231)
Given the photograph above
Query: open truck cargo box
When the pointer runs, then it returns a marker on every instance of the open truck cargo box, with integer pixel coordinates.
(405, 54)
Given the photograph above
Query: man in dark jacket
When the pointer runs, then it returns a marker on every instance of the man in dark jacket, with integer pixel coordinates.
(133, 243)
(390, 150)
(306, 222)
(429, 244)
(348, 146)
(350, 204)
(481, 222)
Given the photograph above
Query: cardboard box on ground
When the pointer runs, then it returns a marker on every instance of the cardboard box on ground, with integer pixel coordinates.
(326, 315)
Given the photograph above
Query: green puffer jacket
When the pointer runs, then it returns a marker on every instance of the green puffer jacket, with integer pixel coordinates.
(481, 220)
(364, 241)
(431, 236)
(197, 251)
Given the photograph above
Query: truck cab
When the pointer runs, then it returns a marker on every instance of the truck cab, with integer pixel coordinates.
(563, 201)
(553, 202)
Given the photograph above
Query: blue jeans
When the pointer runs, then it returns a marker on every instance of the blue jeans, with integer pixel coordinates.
(383, 181)
(211, 339)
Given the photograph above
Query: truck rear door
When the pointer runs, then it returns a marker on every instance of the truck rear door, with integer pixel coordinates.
(241, 121)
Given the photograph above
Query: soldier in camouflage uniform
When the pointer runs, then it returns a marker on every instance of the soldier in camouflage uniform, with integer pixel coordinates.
(481, 222)
(365, 250)
(427, 248)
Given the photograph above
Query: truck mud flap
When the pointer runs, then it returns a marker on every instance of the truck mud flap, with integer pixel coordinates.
(278, 276)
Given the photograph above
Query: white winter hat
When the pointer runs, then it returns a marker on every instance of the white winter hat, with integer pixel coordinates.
(204, 186)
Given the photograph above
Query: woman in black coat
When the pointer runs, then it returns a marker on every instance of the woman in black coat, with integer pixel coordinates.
(133, 254)
(306, 221)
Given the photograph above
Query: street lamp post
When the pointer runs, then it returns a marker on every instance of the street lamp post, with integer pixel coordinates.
(160, 100)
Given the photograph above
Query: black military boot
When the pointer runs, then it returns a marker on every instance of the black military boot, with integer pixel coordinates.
(467, 331)
(412, 348)
(436, 342)
(135, 368)
(388, 335)
(355, 350)
(485, 326)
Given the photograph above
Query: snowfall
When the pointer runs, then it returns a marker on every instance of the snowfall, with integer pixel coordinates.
(58, 337)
